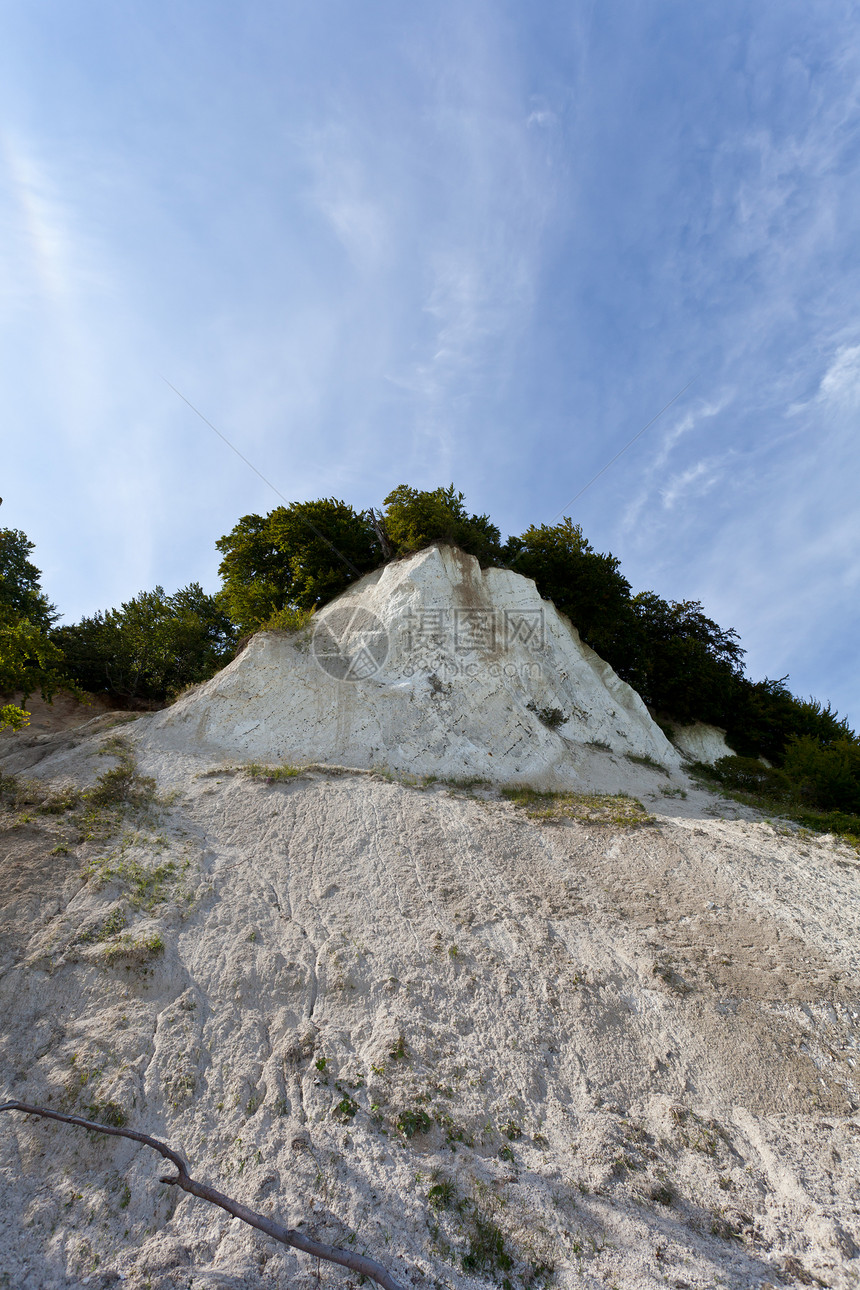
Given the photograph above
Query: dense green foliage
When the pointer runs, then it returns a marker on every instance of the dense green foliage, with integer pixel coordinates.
(298, 556)
(413, 519)
(20, 588)
(29, 660)
(765, 716)
(684, 664)
(151, 647)
(583, 584)
(817, 786)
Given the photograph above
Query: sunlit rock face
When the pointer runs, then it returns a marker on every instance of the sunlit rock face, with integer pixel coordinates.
(428, 666)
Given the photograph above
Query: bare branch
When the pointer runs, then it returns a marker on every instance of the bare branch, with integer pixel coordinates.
(286, 1235)
(378, 523)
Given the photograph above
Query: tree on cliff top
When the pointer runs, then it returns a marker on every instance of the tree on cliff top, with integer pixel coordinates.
(415, 518)
(299, 556)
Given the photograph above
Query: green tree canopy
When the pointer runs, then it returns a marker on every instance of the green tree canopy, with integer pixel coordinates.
(20, 585)
(686, 664)
(582, 583)
(299, 556)
(152, 646)
(765, 716)
(414, 519)
(29, 660)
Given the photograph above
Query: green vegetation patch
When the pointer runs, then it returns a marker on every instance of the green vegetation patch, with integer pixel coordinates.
(115, 923)
(288, 619)
(127, 950)
(108, 1112)
(551, 717)
(117, 793)
(616, 810)
(96, 812)
(411, 1122)
(272, 773)
(646, 761)
(145, 885)
(487, 1250)
(346, 1109)
(810, 788)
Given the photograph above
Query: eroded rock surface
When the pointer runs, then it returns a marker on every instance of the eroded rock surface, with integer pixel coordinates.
(430, 665)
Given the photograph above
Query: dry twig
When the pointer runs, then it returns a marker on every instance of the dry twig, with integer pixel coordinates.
(286, 1235)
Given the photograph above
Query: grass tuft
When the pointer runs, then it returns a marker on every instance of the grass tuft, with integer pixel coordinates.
(617, 810)
(272, 773)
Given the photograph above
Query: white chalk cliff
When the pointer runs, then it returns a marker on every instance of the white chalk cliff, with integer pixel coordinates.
(482, 1039)
(429, 665)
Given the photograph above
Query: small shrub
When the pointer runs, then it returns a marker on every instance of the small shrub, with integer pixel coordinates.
(551, 717)
(114, 794)
(345, 1109)
(107, 1113)
(752, 776)
(288, 619)
(398, 1052)
(272, 774)
(411, 1122)
(441, 1195)
(133, 952)
(121, 786)
(487, 1251)
(646, 761)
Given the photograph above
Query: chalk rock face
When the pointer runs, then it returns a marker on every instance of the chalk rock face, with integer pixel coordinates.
(429, 665)
(701, 742)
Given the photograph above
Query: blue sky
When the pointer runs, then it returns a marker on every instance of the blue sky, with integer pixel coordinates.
(486, 243)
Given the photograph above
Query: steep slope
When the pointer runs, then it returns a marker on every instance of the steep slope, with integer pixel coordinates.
(430, 666)
(491, 1037)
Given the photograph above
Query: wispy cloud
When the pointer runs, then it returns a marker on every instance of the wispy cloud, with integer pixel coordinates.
(695, 482)
(348, 193)
(653, 483)
(840, 384)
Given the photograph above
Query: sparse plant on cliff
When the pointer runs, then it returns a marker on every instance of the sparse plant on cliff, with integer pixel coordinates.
(615, 809)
